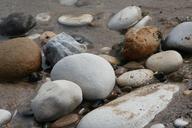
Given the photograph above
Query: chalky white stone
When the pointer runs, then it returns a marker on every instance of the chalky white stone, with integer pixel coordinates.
(133, 110)
(126, 18)
(180, 123)
(68, 2)
(5, 117)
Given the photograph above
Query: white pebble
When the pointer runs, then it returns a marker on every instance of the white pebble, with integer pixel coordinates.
(43, 17)
(5, 117)
(158, 126)
(180, 123)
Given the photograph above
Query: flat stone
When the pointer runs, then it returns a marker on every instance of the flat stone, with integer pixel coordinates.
(72, 20)
(133, 110)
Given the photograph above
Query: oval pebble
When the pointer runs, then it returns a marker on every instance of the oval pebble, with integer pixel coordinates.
(5, 117)
(68, 2)
(167, 61)
(72, 20)
(136, 78)
(180, 123)
(158, 126)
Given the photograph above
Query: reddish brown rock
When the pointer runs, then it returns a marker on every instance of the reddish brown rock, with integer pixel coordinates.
(19, 57)
(141, 42)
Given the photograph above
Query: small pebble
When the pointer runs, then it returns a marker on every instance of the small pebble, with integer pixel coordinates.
(43, 17)
(180, 123)
(5, 117)
(34, 36)
(158, 126)
(187, 92)
(112, 60)
(133, 66)
(105, 50)
(120, 71)
(46, 36)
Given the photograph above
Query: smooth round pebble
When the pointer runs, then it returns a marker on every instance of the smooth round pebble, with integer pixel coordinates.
(180, 38)
(136, 78)
(167, 61)
(5, 117)
(56, 99)
(180, 123)
(126, 18)
(72, 20)
(92, 73)
(112, 60)
(158, 126)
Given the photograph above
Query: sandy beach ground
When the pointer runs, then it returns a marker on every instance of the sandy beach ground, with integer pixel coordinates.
(164, 12)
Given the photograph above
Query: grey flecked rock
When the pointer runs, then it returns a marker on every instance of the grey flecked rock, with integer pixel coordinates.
(5, 117)
(61, 46)
(55, 99)
(133, 110)
(180, 38)
(92, 73)
(136, 78)
(167, 61)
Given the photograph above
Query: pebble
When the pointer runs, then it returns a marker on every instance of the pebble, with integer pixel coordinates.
(73, 20)
(157, 61)
(158, 126)
(68, 2)
(126, 18)
(46, 36)
(112, 60)
(56, 99)
(5, 117)
(143, 22)
(141, 42)
(16, 24)
(66, 121)
(134, 110)
(133, 66)
(34, 37)
(120, 70)
(180, 38)
(188, 92)
(60, 46)
(180, 123)
(105, 50)
(43, 17)
(136, 78)
(19, 58)
(92, 73)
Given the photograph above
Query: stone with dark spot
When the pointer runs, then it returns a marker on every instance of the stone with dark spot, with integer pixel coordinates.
(16, 24)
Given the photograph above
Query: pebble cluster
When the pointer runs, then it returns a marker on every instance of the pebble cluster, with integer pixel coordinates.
(123, 86)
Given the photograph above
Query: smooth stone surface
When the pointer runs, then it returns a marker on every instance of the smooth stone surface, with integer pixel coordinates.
(126, 18)
(56, 99)
(112, 60)
(43, 17)
(66, 121)
(133, 110)
(180, 38)
(167, 61)
(60, 46)
(68, 2)
(136, 78)
(19, 58)
(158, 126)
(72, 20)
(92, 73)
(16, 24)
(5, 117)
(180, 123)
(141, 42)
(143, 22)
(105, 50)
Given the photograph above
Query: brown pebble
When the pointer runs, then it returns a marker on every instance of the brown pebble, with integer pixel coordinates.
(187, 92)
(66, 121)
(46, 36)
(120, 71)
(133, 66)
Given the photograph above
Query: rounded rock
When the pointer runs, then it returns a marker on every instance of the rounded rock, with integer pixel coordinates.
(72, 20)
(5, 117)
(180, 123)
(68, 2)
(167, 61)
(19, 58)
(158, 126)
(43, 17)
(126, 18)
(105, 50)
(112, 60)
(92, 73)
(56, 99)
(180, 38)
(136, 78)
(141, 42)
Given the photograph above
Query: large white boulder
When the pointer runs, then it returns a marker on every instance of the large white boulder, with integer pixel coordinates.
(126, 18)
(134, 110)
(92, 73)
(55, 99)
